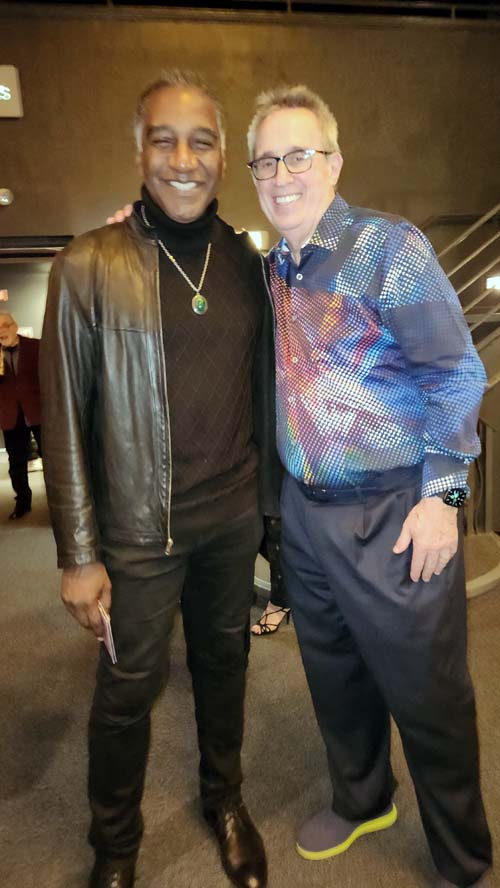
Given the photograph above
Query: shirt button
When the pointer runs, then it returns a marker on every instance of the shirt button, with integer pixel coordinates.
(294, 359)
(294, 317)
(299, 276)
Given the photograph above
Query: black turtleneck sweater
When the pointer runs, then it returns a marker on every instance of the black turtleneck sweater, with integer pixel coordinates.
(209, 358)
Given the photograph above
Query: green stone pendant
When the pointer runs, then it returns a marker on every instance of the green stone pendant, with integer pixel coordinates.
(199, 304)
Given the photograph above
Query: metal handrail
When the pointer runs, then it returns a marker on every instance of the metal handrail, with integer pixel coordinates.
(478, 274)
(466, 309)
(487, 339)
(443, 6)
(465, 234)
(474, 254)
(491, 312)
(485, 317)
(441, 12)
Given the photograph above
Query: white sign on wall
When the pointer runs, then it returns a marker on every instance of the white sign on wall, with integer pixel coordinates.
(11, 103)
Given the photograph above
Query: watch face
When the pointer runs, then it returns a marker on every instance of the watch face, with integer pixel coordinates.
(455, 496)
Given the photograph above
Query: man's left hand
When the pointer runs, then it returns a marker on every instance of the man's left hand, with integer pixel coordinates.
(432, 528)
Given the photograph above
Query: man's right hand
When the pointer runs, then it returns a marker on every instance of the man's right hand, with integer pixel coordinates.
(120, 215)
(82, 587)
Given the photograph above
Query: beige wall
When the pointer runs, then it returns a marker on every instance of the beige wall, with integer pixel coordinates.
(418, 108)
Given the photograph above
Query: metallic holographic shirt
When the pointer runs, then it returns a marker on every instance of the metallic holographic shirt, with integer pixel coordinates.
(375, 364)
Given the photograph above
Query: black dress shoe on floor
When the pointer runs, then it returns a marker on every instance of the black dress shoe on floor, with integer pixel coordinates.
(112, 873)
(20, 510)
(241, 847)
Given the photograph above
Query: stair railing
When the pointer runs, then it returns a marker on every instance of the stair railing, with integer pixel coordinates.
(490, 314)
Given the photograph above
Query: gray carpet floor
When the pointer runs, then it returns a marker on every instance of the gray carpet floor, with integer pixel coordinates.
(46, 675)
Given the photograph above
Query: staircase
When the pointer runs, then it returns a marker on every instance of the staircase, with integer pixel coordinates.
(469, 260)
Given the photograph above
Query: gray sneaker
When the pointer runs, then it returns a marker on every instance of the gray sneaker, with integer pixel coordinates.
(326, 834)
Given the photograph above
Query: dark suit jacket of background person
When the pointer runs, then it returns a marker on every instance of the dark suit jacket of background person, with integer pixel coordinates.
(22, 388)
(103, 293)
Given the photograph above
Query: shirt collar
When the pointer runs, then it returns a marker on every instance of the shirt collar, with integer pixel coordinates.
(326, 235)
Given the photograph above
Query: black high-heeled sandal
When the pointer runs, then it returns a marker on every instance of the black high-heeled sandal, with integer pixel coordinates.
(267, 628)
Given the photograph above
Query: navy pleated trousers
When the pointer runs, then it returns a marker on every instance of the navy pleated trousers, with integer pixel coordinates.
(374, 643)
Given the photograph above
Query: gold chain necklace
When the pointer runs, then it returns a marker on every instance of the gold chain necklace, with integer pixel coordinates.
(199, 303)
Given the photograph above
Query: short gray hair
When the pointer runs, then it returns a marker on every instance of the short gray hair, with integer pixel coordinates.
(171, 78)
(293, 97)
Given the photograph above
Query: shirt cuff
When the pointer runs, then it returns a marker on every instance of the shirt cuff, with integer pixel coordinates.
(442, 472)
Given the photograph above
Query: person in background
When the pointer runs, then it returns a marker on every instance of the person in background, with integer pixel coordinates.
(154, 344)
(277, 608)
(20, 409)
(378, 393)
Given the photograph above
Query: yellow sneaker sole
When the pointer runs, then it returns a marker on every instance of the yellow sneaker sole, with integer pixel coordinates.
(369, 826)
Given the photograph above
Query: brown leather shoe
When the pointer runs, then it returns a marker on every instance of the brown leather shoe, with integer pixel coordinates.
(240, 845)
(113, 873)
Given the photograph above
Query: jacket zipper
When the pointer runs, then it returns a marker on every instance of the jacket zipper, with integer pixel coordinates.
(170, 543)
(264, 275)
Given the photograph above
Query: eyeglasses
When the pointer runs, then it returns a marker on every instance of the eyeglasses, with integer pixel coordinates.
(298, 161)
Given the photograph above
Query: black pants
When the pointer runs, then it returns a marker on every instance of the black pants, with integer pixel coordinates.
(18, 446)
(211, 571)
(373, 643)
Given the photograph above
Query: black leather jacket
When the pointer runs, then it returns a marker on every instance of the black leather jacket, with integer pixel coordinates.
(105, 418)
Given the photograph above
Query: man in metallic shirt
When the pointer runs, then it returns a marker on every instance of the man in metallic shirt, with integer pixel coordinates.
(378, 391)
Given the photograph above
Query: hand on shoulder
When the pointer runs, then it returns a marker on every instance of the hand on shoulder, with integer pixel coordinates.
(120, 215)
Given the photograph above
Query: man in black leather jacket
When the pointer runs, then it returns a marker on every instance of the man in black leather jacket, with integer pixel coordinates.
(155, 361)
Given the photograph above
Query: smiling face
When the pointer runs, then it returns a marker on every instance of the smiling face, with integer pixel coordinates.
(8, 330)
(295, 202)
(181, 157)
